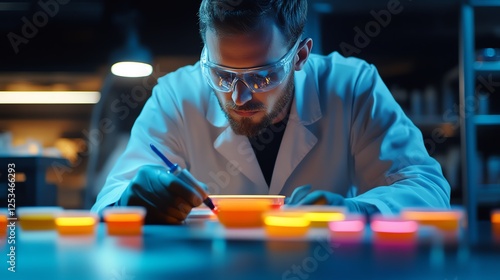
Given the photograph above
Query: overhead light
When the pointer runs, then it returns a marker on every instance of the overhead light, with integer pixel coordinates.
(131, 69)
(49, 97)
(133, 60)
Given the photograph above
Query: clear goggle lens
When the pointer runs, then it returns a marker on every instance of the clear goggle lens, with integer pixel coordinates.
(257, 79)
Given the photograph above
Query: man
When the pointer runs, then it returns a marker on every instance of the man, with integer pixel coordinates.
(260, 114)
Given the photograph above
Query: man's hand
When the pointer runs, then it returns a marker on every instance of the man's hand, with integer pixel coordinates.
(298, 194)
(322, 198)
(167, 199)
(329, 198)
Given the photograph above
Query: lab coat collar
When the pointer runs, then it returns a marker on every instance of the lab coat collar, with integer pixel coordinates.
(238, 151)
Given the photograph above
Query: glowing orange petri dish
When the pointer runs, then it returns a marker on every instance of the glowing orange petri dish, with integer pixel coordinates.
(495, 223)
(285, 223)
(38, 217)
(442, 219)
(319, 215)
(126, 220)
(76, 222)
(276, 201)
(243, 211)
(3, 224)
(351, 228)
(393, 229)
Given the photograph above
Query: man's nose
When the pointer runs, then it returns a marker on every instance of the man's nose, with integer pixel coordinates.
(241, 93)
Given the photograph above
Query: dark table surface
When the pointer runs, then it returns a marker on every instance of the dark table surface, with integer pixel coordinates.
(203, 249)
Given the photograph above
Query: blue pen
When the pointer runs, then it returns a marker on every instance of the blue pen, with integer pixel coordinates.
(186, 177)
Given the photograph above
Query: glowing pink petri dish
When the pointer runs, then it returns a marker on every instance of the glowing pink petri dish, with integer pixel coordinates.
(393, 229)
(351, 228)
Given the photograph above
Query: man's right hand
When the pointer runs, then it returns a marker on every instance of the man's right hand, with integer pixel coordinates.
(167, 199)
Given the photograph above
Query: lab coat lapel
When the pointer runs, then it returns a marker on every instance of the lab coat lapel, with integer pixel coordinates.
(298, 140)
(296, 144)
(237, 149)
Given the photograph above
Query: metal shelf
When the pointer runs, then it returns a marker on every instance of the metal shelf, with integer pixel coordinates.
(473, 194)
(487, 66)
(487, 119)
(468, 145)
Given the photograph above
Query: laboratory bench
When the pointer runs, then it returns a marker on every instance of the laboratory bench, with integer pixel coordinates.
(204, 249)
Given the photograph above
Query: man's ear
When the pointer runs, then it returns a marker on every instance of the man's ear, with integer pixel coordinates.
(304, 50)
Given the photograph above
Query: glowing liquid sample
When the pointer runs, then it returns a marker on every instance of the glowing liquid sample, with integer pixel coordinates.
(285, 224)
(76, 222)
(124, 220)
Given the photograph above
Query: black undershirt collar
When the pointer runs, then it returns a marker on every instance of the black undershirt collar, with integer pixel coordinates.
(266, 146)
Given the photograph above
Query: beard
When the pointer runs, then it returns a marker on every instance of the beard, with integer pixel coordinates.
(246, 126)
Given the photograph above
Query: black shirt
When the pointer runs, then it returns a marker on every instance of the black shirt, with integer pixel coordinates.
(266, 146)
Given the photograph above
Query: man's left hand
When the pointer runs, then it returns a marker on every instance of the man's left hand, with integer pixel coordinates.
(319, 197)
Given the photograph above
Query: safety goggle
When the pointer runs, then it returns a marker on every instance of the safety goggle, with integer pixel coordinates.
(257, 79)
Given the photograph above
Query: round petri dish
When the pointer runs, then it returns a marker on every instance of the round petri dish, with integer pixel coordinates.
(393, 229)
(320, 215)
(495, 223)
(441, 219)
(285, 223)
(351, 228)
(38, 217)
(76, 222)
(124, 220)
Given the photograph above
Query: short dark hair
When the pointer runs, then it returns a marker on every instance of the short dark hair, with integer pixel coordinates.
(238, 16)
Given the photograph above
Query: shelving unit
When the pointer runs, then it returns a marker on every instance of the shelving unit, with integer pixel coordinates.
(475, 193)
(486, 66)
(487, 119)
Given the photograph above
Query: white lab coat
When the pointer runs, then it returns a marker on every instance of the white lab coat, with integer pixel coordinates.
(346, 134)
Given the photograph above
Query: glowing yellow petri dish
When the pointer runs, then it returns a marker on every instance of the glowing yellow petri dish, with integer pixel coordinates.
(393, 229)
(320, 215)
(3, 224)
(352, 227)
(495, 223)
(126, 220)
(442, 219)
(285, 223)
(38, 218)
(76, 222)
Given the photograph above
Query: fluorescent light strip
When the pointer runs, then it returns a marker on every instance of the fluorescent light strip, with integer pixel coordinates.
(49, 97)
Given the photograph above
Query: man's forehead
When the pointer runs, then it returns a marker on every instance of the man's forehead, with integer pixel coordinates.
(250, 49)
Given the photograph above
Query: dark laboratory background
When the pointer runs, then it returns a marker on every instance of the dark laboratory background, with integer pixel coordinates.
(439, 58)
